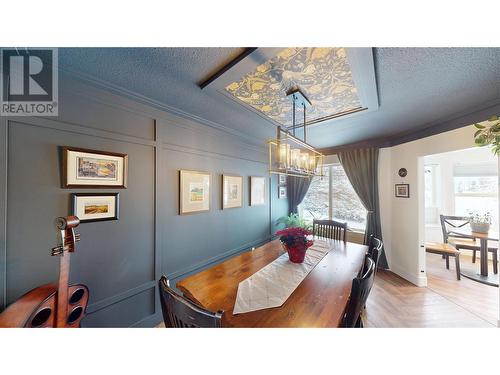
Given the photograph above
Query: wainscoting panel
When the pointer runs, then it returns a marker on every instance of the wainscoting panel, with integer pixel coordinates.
(121, 261)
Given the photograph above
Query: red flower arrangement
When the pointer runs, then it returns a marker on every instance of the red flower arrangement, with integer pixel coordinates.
(295, 242)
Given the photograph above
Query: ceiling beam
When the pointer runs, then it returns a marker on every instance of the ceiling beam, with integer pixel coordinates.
(225, 68)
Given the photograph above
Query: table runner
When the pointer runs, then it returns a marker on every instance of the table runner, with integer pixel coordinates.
(272, 285)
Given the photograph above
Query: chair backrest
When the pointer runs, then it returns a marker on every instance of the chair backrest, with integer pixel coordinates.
(179, 312)
(330, 229)
(453, 222)
(375, 249)
(361, 287)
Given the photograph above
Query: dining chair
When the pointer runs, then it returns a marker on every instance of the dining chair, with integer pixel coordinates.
(375, 249)
(463, 242)
(361, 287)
(330, 229)
(179, 312)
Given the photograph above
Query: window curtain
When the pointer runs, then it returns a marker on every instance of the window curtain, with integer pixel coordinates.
(361, 167)
(296, 190)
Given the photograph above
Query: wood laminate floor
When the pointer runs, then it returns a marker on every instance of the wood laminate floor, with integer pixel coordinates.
(445, 302)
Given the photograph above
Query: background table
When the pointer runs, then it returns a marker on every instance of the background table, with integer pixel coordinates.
(319, 301)
(483, 276)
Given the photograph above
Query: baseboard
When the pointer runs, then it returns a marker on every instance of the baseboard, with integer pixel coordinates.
(418, 280)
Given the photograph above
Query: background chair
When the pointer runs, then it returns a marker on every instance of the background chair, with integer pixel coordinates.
(330, 229)
(361, 287)
(447, 251)
(463, 242)
(179, 312)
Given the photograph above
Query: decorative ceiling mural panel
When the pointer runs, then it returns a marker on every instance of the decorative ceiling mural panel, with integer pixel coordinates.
(323, 74)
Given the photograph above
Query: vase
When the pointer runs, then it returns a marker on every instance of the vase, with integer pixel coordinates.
(480, 227)
(296, 253)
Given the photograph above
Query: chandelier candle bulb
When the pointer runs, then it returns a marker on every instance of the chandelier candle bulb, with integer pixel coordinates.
(284, 155)
(304, 161)
(294, 158)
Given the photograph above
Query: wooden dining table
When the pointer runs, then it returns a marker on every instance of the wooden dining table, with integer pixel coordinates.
(319, 301)
(483, 276)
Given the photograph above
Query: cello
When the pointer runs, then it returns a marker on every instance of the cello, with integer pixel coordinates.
(56, 304)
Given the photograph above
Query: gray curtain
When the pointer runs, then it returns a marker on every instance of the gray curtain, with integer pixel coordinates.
(361, 167)
(296, 190)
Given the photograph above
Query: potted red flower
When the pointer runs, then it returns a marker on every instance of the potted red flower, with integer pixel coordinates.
(295, 242)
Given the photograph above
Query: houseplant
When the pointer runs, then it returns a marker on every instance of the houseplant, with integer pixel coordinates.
(479, 223)
(295, 242)
(488, 133)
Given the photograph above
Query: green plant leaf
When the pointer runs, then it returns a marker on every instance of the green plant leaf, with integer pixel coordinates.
(479, 126)
(493, 118)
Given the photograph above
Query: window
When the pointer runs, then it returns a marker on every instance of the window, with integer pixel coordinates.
(332, 197)
(476, 189)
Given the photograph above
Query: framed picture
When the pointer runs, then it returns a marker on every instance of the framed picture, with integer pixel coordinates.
(95, 206)
(282, 179)
(257, 191)
(194, 192)
(402, 190)
(84, 168)
(281, 192)
(232, 191)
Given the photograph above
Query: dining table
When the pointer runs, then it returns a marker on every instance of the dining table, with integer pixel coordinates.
(482, 275)
(320, 300)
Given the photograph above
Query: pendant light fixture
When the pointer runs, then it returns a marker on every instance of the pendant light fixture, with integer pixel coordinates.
(290, 155)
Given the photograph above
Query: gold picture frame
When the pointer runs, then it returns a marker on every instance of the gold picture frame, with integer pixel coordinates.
(194, 192)
(257, 190)
(232, 191)
(93, 169)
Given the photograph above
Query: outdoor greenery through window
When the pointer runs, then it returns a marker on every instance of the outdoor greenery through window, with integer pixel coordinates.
(332, 197)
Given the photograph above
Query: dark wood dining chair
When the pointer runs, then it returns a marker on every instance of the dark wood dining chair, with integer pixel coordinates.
(361, 287)
(375, 249)
(330, 229)
(461, 242)
(179, 312)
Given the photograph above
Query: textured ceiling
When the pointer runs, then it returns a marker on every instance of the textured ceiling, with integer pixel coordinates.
(416, 87)
(322, 74)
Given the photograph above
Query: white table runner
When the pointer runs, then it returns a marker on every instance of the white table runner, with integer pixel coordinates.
(272, 285)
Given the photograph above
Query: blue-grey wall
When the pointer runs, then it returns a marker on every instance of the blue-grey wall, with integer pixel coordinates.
(121, 261)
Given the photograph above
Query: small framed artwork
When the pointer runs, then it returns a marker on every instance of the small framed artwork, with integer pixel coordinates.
(232, 191)
(282, 179)
(281, 192)
(257, 191)
(402, 190)
(194, 192)
(95, 206)
(84, 168)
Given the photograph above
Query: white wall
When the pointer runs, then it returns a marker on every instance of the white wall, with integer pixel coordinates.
(400, 216)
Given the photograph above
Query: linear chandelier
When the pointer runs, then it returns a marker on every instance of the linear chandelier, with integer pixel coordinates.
(290, 155)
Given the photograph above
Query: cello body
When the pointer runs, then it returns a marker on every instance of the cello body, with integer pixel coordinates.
(55, 304)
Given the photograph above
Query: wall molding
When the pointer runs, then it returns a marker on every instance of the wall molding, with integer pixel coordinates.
(102, 304)
(141, 99)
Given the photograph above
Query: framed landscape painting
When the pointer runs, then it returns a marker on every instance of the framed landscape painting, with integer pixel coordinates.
(232, 191)
(84, 168)
(194, 192)
(95, 206)
(257, 191)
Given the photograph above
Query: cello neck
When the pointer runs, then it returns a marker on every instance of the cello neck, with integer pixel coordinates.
(67, 239)
(62, 291)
